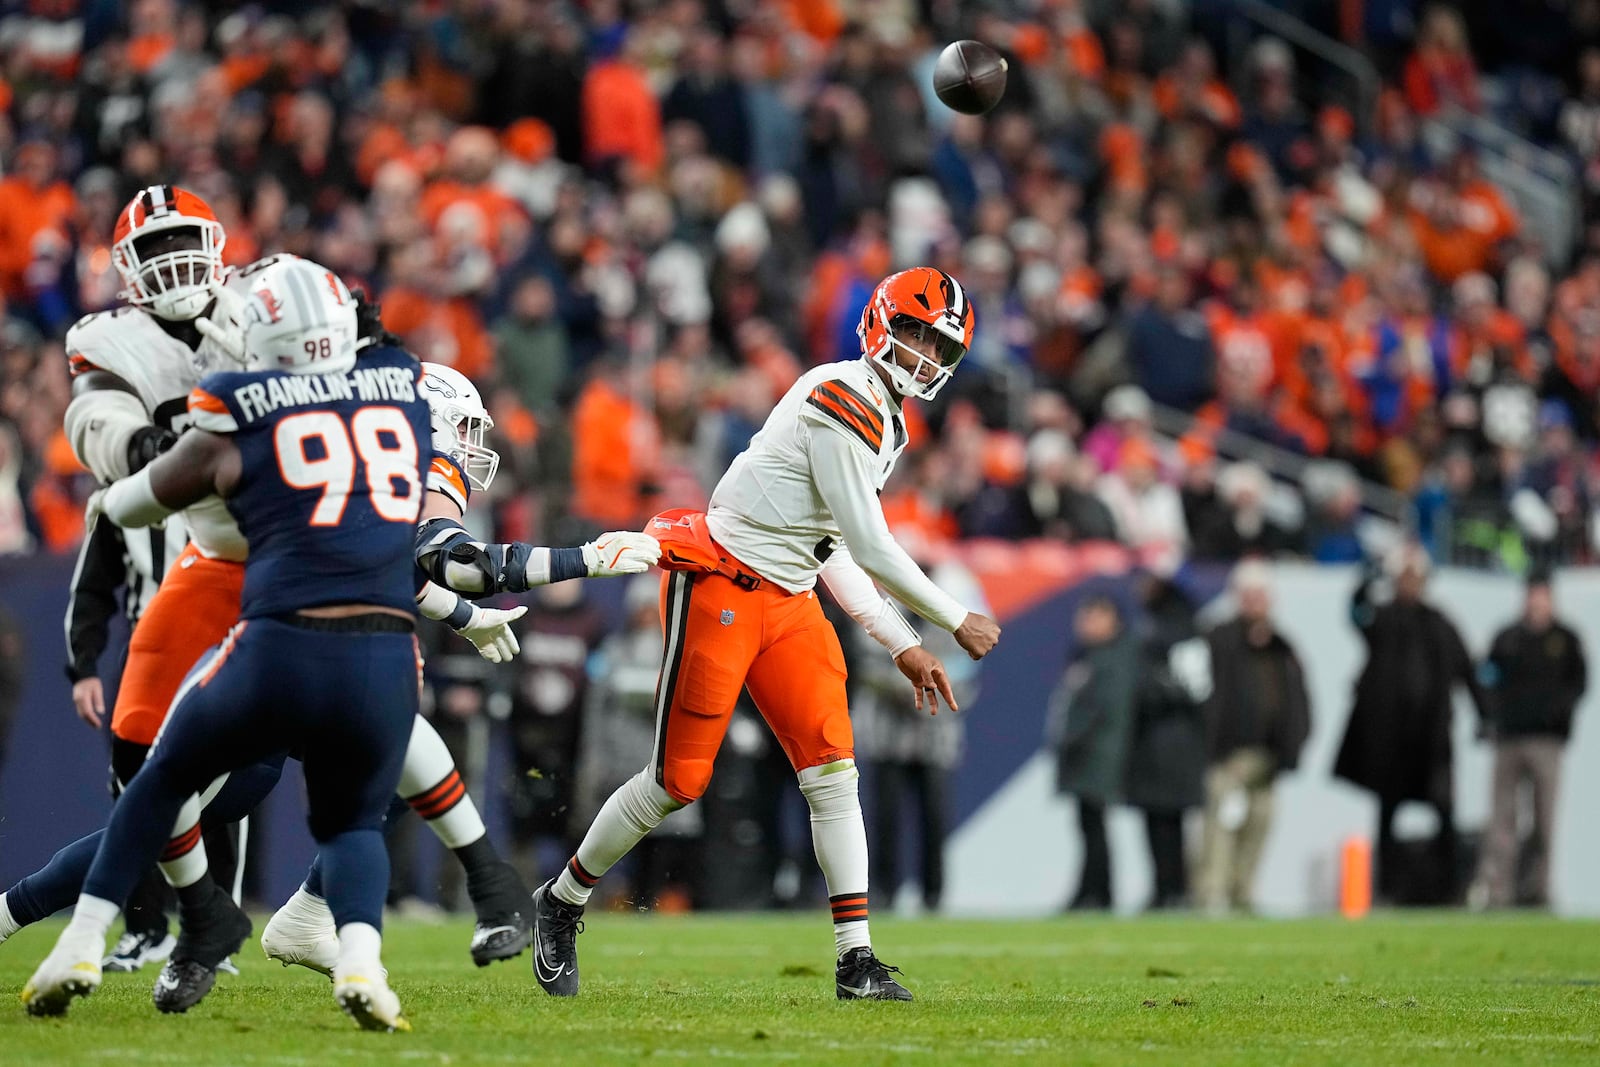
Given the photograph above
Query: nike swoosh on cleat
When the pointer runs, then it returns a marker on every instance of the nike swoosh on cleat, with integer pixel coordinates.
(539, 965)
(860, 991)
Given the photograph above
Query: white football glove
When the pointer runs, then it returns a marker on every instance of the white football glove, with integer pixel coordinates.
(225, 325)
(620, 552)
(489, 630)
(94, 507)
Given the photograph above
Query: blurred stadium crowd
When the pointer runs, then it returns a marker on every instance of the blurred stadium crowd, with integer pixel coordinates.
(633, 224)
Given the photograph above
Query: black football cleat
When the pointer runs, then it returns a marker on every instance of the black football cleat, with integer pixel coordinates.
(209, 936)
(862, 976)
(504, 926)
(501, 935)
(182, 984)
(556, 926)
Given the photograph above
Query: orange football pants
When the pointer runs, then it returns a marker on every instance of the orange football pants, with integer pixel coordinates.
(721, 637)
(196, 604)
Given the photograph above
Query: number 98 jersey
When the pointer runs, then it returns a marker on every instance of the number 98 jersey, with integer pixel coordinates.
(331, 483)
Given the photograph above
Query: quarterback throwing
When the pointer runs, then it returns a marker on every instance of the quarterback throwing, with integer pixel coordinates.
(740, 610)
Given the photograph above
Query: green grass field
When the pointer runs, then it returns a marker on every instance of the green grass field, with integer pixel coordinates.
(1413, 990)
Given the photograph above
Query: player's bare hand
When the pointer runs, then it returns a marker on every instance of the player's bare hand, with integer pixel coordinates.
(929, 681)
(977, 634)
(620, 552)
(89, 701)
(490, 632)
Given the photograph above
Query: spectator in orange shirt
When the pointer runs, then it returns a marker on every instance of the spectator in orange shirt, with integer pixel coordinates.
(153, 31)
(1460, 223)
(32, 200)
(1193, 90)
(621, 117)
(916, 498)
(1085, 57)
(615, 453)
(1440, 72)
(438, 327)
(470, 157)
(1489, 342)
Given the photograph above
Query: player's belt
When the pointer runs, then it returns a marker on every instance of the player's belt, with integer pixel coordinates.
(740, 577)
(372, 622)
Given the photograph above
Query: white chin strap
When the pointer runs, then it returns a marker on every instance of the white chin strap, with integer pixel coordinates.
(180, 304)
(905, 381)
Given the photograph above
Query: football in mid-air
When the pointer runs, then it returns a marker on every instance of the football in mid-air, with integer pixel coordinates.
(970, 77)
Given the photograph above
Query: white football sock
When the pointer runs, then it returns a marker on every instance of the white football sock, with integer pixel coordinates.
(430, 783)
(92, 917)
(183, 862)
(839, 835)
(636, 808)
(360, 948)
(8, 925)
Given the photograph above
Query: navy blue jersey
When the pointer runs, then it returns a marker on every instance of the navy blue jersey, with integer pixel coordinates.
(334, 467)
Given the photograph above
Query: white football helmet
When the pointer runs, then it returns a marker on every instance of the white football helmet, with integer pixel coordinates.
(460, 422)
(167, 246)
(300, 318)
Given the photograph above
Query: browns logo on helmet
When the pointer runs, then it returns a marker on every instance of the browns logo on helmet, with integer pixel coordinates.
(168, 248)
(924, 313)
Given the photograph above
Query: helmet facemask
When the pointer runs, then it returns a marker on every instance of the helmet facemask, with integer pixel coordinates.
(915, 338)
(468, 433)
(171, 272)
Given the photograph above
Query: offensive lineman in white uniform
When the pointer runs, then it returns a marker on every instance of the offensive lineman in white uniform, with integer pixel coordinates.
(740, 611)
(133, 370)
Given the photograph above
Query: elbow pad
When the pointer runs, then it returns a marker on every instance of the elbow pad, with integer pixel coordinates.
(450, 557)
(100, 426)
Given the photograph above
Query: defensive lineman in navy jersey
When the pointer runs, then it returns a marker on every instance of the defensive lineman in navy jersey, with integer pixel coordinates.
(323, 465)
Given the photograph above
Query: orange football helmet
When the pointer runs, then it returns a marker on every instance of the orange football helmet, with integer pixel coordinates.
(907, 311)
(172, 281)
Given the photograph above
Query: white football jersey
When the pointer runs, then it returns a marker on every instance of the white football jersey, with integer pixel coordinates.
(766, 510)
(163, 370)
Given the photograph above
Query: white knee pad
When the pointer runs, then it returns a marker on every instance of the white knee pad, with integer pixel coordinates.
(831, 790)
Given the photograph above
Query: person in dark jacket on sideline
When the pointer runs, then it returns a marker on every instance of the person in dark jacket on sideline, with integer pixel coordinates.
(1091, 727)
(1257, 721)
(1534, 677)
(1397, 742)
(1167, 762)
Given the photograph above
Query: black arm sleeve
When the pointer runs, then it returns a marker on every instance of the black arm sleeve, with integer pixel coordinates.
(101, 571)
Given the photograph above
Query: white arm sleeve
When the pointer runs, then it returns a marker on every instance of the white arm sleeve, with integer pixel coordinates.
(99, 424)
(854, 591)
(131, 502)
(843, 478)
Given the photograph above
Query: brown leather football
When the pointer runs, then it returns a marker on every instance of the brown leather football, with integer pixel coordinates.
(970, 77)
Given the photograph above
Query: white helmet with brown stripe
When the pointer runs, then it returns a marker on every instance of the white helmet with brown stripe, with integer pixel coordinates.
(460, 422)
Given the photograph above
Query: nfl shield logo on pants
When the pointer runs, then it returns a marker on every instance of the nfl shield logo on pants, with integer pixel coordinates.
(727, 617)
